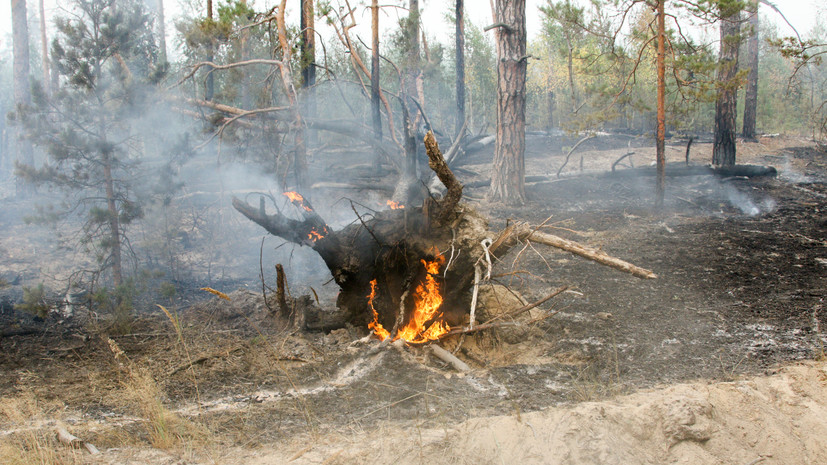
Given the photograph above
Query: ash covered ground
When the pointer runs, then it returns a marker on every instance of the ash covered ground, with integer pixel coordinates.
(742, 265)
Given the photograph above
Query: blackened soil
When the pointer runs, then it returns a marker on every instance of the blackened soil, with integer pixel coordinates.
(742, 273)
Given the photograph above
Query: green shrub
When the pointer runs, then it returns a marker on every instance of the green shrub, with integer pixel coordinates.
(34, 301)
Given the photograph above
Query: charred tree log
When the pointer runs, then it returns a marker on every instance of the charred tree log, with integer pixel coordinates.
(384, 262)
(679, 169)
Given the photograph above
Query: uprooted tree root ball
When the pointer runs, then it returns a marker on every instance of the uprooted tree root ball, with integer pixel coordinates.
(412, 272)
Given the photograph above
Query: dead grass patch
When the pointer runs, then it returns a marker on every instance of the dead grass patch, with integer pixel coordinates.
(29, 437)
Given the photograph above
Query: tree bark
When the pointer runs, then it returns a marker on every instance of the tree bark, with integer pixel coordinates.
(661, 131)
(44, 48)
(22, 94)
(723, 150)
(460, 64)
(308, 44)
(412, 115)
(244, 47)
(751, 97)
(508, 180)
(210, 83)
(114, 219)
(20, 39)
(413, 70)
(308, 53)
(299, 139)
(572, 88)
(162, 32)
(374, 70)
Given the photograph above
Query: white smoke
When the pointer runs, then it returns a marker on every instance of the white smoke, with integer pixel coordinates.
(747, 204)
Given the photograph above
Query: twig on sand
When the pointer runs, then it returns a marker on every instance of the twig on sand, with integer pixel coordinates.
(759, 459)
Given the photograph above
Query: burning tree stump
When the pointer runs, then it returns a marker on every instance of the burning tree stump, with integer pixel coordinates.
(408, 273)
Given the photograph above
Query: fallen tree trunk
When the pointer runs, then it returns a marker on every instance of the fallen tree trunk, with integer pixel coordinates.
(679, 169)
(408, 273)
(672, 170)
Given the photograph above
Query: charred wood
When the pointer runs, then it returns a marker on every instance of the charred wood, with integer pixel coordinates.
(676, 170)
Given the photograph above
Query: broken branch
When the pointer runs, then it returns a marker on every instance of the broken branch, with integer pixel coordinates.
(624, 156)
(568, 155)
(584, 251)
(443, 172)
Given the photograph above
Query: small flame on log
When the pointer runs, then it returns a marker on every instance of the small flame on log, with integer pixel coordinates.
(315, 235)
(374, 325)
(297, 199)
(395, 205)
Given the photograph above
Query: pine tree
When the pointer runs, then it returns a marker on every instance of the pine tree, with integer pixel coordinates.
(106, 58)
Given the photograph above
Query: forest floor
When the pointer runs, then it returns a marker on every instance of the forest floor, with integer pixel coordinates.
(718, 360)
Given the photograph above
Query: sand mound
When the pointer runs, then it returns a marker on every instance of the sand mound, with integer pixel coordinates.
(778, 419)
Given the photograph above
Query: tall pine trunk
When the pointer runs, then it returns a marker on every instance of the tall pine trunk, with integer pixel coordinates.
(114, 219)
(308, 63)
(660, 139)
(299, 138)
(508, 174)
(210, 90)
(723, 150)
(44, 48)
(374, 71)
(460, 64)
(751, 97)
(162, 32)
(22, 94)
(244, 48)
(570, 65)
(412, 74)
(308, 44)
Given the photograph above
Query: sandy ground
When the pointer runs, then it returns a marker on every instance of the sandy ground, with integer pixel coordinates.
(776, 419)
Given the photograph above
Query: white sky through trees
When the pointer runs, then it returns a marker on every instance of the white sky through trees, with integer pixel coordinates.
(803, 14)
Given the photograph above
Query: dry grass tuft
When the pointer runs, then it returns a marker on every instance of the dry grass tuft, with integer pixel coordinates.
(31, 442)
(165, 429)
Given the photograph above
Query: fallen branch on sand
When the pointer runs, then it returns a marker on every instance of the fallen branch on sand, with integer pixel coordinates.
(67, 438)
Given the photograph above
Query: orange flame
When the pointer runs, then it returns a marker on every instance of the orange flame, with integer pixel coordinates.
(297, 198)
(395, 205)
(427, 300)
(315, 235)
(374, 325)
